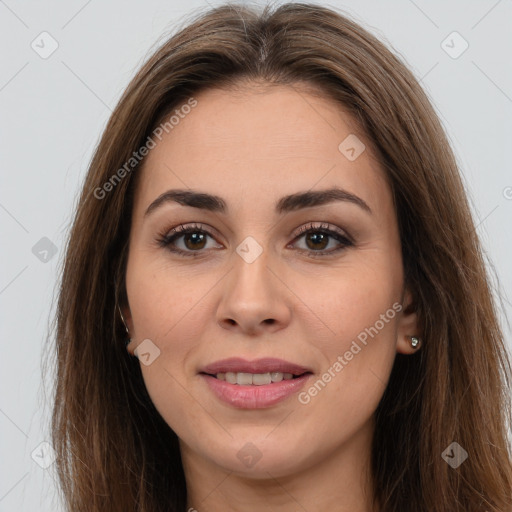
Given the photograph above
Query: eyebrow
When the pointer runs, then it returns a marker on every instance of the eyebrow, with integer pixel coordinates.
(286, 204)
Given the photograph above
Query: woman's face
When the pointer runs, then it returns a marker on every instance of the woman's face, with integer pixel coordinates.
(275, 271)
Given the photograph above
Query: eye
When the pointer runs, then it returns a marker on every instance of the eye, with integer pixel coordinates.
(317, 238)
(193, 238)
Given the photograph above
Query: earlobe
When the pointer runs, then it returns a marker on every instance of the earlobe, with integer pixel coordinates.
(126, 318)
(409, 336)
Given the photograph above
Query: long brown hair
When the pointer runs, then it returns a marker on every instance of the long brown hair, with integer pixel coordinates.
(114, 450)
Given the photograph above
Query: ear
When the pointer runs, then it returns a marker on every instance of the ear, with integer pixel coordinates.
(128, 320)
(408, 325)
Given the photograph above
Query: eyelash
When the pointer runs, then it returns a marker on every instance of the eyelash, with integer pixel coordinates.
(168, 238)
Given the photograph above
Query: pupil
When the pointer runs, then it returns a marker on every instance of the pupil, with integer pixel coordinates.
(317, 238)
(196, 238)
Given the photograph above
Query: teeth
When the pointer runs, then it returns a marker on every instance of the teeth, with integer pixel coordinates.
(231, 377)
(244, 379)
(276, 376)
(256, 379)
(259, 379)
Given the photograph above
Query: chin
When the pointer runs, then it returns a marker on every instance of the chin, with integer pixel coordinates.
(259, 458)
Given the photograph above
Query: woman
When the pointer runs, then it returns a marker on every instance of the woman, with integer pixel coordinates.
(273, 295)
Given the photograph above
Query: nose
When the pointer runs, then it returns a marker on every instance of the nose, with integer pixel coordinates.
(254, 299)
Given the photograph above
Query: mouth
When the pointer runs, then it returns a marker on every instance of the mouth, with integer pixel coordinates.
(254, 379)
(254, 384)
(260, 372)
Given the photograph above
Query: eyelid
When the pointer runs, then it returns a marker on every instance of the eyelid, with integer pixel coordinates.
(165, 236)
(321, 226)
(168, 237)
(192, 226)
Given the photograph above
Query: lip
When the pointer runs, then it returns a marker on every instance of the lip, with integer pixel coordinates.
(264, 365)
(254, 397)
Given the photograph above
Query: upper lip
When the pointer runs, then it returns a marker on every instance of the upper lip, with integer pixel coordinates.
(264, 365)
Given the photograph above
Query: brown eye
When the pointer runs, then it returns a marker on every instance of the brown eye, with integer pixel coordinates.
(317, 241)
(187, 240)
(194, 241)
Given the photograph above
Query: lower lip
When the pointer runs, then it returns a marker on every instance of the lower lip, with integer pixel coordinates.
(255, 397)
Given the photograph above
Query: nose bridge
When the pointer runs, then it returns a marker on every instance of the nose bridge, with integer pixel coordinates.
(251, 277)
(252, 297)
(251, 257)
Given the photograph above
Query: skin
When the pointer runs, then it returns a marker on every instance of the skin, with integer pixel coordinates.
(251, 146)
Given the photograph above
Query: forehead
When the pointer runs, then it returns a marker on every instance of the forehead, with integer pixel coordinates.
(257, 142)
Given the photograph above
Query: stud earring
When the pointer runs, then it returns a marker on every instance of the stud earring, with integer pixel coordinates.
(415, 342)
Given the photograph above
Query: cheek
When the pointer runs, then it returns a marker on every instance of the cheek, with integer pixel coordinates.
(360, 308)
(166, 309)
(358, 298)
(164, 300)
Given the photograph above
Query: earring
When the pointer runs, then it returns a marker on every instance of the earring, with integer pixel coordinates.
(415, 342)
(128, 340)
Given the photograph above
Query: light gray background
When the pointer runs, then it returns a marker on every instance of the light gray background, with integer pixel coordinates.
(53, 111)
